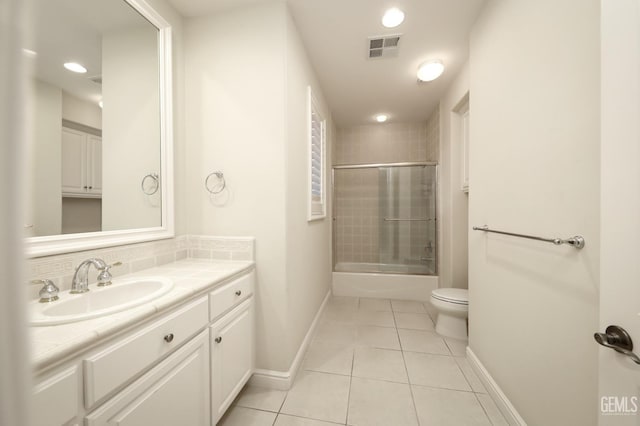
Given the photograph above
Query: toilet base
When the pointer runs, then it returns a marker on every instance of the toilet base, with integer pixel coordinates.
(451, 326)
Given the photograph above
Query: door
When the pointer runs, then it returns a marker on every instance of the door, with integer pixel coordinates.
(407, 212)
(619, 375)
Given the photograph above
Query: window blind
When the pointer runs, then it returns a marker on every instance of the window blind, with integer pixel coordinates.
(316, 164)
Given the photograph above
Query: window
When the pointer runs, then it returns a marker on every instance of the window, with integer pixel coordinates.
(317, 150)
(460, 118)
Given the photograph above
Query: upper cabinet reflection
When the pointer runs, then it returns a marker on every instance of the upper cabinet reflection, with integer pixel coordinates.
(95, 119)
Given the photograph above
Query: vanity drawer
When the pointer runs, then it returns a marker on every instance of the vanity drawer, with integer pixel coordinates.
(115, 365)
(229, 295)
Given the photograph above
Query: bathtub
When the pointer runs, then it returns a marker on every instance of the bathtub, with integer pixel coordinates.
(383, 281)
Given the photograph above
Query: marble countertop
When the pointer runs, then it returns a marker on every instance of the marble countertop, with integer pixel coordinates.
(192, 277)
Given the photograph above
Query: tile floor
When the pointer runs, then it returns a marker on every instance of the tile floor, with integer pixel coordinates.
(374, 362)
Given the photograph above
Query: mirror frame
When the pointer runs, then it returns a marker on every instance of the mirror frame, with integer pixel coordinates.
(57, 244)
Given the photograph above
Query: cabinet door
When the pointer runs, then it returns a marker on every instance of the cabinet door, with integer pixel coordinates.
(94, 160)
(74, 154)
(55, 400)
(176, 392)
(231, 356)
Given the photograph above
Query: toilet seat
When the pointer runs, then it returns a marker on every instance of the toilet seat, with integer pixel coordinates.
(459, 296)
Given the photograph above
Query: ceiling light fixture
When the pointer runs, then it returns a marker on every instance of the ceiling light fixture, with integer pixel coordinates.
(100, 103)
(75, 67)
(381, 118)
(392, 17)
(430, 70)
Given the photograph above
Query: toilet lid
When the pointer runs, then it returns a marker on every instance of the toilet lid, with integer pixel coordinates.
(452, 295)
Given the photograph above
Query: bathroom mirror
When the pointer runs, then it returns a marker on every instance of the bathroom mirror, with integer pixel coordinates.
(100, 125)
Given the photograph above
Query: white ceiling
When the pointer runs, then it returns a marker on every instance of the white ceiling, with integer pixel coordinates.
(71, 30)
(335, 34)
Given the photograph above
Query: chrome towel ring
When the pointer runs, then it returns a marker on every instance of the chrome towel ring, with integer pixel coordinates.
(217, 185)
(155, 184)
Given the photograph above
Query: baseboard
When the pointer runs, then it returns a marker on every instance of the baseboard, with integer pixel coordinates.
(504, 405)
(282, 380)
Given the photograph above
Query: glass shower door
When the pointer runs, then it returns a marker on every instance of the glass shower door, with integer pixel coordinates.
(407, 214)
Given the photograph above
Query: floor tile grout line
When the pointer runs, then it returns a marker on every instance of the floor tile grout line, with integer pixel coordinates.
(442, 388)
(311, 418)
(463, 373)
(483, 409)
(346, 418)
(353, 356)
(406, 369)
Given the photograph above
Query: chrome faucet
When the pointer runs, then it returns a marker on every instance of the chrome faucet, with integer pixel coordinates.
(80, 282)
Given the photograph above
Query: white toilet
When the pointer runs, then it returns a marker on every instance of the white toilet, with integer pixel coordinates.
(453, 309)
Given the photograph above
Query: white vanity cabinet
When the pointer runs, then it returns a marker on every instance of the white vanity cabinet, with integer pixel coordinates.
(183, 367)
(81, 164)
(232, 342)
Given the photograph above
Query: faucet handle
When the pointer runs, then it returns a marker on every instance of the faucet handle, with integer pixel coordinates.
(48, 292)
(104, 277)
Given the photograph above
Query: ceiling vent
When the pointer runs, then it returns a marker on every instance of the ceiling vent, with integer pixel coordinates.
(383, 46)
(96, 79)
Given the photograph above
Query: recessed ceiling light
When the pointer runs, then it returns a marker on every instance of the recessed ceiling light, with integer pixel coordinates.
(392, 17)
(75, 67)
(430, 70)
(100, 104)
(381, 118)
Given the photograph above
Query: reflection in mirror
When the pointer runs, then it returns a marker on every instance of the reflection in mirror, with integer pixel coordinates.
(95, 133)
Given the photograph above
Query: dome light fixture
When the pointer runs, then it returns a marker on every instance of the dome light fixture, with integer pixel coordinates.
(75, 67)
(430, 70)
(381, 118)
(392, 17)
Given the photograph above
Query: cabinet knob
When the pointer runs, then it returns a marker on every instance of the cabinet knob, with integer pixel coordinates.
(168, 338)
(218, 339)
(91, 187)
(85, 187)
(238, 293)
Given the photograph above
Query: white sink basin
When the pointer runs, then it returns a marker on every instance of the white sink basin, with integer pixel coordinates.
(99, 301)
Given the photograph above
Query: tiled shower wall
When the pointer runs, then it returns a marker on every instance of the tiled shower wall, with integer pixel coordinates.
(356, 191)
(357, 216)
(433, 136)
(135, 257)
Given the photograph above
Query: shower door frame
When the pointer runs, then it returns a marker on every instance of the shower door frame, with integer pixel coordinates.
(377, 166)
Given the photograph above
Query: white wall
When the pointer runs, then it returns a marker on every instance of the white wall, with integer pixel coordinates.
(131, 127)
(45, 176)
(308, 243)
(81, 111)
(235, 123)
(534, 92)
(454, 203)
(246, 115)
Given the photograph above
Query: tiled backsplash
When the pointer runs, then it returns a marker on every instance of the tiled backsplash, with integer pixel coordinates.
(135, 257)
